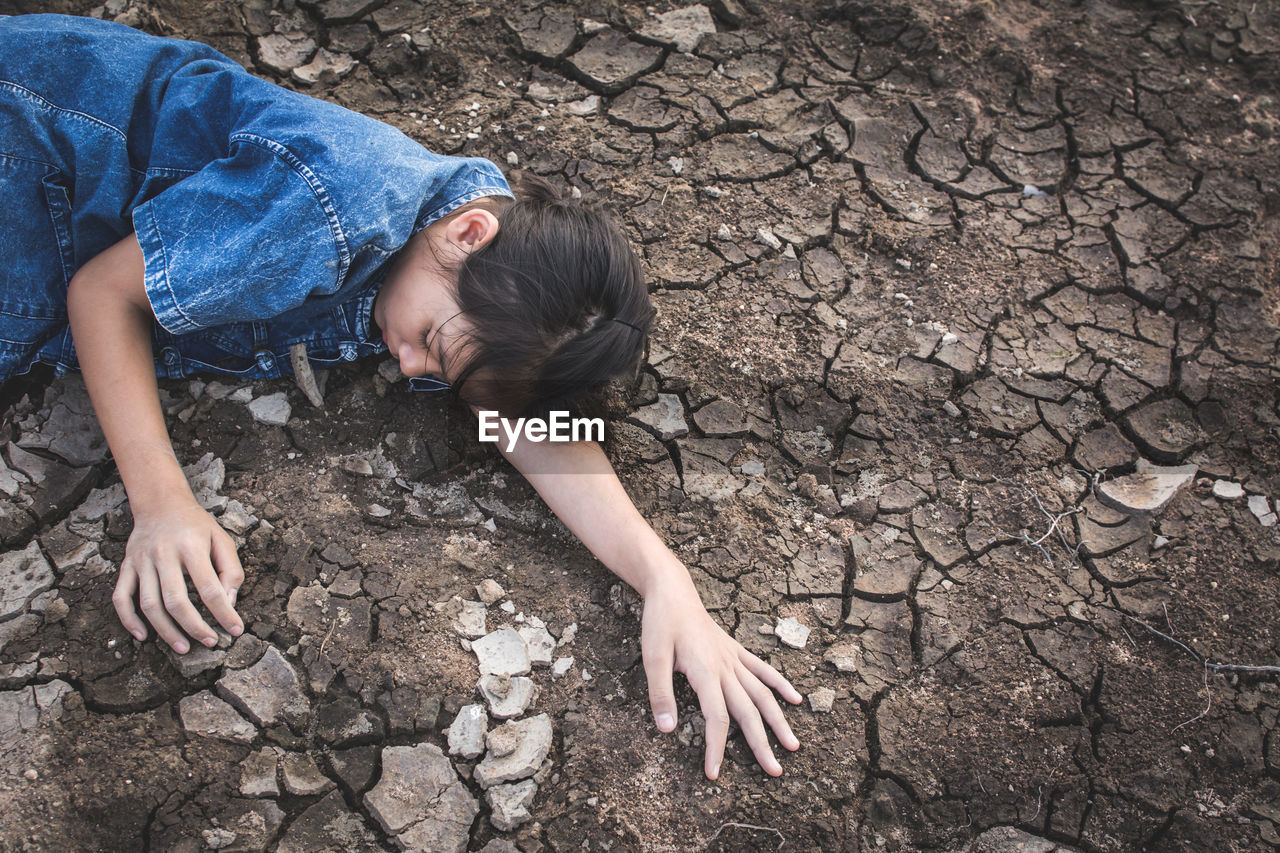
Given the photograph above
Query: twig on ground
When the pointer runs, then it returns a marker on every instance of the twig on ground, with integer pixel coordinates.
(724, 826)
(1054, 521)
(1214, 667)
(332, 624)
(1207, 707)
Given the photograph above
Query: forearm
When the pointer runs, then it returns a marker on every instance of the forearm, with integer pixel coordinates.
(580, 486)
(111, 325)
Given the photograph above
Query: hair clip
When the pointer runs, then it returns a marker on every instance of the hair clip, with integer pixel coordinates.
(628, 325)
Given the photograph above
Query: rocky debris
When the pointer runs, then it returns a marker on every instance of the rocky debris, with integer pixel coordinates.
(507, 697)
(561, 666)
(532, 742)
(1262, 510)
(329, 825)
(325, 67)
(538, 642)
(502, 652)
(1147, 491)
(792, 633)
(901, 496)
(271, 409)
(200, 658)
(302, 777)
(1227, 490)
(822, 700)
(70, 431)
(467, 732)
(258, 773)
(489, 591)
(23, 575)
(1008, 839)
(610, 62)
(683, 27)
(343, 723)
(1103, 449)
(665, 417)
(886, 564)
(721, 418)
(843, 656)
(283, 52)
(268, 692)
(207, 715)
(421, 801)
(315, 611)
(1166, 430)
(206, 477)
(28, 708)
(510, 804)
(470, 621)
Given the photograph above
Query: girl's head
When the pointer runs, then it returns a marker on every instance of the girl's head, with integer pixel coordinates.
(554, 305)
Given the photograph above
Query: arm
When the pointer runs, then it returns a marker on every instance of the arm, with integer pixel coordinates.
(111, 324)
(578, 483)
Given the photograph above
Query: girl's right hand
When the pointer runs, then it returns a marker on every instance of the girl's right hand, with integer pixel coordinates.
(164, 549)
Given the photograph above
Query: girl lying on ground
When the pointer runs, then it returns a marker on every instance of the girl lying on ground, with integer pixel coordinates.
(167, 213)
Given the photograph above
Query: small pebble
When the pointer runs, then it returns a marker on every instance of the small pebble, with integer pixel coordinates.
(30, 774)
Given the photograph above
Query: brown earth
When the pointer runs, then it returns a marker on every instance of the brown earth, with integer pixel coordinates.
(927, 275)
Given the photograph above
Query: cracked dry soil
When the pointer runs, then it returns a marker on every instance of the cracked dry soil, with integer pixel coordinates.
(929, 276)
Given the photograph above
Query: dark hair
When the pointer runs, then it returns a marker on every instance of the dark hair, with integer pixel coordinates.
(556, 302)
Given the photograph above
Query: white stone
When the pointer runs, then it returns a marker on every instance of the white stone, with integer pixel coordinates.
(533, 742)
(1268, 520)
(539, 643)
(507, 697)
(271, 409)
(510, 804)
(489, 591)
(502, 652)
(792, 633)
(561, 666)
(665, 417)
(768, 238)
(285, 52)
(470, 621)
(1147, 491)
(685, 27)
(1227, 490)
(822, 700)
(23, 575)
(1259, 505)
(324, 67)
(467, 733)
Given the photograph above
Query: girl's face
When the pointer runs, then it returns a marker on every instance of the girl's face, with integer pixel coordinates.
(416, 310)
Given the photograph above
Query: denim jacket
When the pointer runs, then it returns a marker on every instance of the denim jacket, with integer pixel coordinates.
(266, 218)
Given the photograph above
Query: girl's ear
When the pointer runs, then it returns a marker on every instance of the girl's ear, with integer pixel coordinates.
(472, 229)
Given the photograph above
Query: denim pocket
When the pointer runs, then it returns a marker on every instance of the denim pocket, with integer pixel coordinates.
(37, 257)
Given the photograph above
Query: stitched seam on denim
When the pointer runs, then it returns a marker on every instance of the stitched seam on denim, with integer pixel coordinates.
(317, 188)
(49, 105)
(163, 275)
(441, 212)
(166, 171)
(20, 159)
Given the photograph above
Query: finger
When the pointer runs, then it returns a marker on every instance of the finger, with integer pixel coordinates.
(219, 593)
(227, 562)
(768, 707)
(716, 715)
(151, 601)
(771, 677)
(122, 600)
(173, 590)
(658, 665)
(744, 711)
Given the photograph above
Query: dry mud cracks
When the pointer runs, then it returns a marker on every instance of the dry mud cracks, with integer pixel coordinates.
(961, 408)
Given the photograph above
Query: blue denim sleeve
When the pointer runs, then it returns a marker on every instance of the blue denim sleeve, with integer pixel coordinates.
(248, 237)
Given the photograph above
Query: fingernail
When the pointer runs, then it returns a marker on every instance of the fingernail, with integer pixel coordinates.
(180, 648)
(139, 636)
(237, 630)
(715, 772)
(665, 721)
(209, 641)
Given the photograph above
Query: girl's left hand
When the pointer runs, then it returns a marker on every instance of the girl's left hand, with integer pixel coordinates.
(678, 635)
